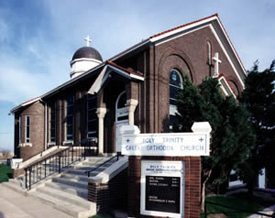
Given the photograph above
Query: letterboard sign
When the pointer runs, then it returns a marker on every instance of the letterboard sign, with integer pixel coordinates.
(162, 188)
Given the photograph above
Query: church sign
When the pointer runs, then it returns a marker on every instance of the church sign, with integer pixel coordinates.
(162, 181)
(162, 188)
(166, 144)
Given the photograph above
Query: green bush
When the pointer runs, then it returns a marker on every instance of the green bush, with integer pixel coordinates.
(5, 173)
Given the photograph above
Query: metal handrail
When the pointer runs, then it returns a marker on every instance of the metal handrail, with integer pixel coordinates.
(55, 162)
(235, 208)
(100, 165)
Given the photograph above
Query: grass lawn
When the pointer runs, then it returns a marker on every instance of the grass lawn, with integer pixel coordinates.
(240, 201)
(5, 173)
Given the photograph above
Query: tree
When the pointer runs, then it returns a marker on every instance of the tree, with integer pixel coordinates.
(231, 132)
(259, 98)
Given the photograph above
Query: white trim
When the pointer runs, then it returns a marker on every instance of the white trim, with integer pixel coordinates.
(178, 171)
(110, 172)
(180, 35)
(98, 82)
(162, 36)
(104, 75)
(228, 86)
(226, 54)
(31, 101)
(68, 142)
(85, 59)
(26, 144)
(20, 130)
(121, 109)
(127, 75)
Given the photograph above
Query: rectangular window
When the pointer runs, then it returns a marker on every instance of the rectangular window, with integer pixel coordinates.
(27, 129)
(69, 117)
(20, 130)
(52, 123)
(92, 121)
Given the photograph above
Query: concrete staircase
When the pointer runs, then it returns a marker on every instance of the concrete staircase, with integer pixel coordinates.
(67, 191)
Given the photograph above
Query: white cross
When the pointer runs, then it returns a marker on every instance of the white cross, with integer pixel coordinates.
(88, 40)
(216, 64)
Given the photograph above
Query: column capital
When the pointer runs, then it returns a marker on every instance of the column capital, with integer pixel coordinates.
(101, 111)
(131, 104)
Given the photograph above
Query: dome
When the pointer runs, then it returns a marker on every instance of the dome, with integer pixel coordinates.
(87, 52)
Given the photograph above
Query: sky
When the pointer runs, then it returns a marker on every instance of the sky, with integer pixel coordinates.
(38, 38)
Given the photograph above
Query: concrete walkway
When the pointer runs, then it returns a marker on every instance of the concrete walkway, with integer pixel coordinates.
(15, 205)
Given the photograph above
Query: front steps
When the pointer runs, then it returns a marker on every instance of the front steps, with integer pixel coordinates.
(67, 191)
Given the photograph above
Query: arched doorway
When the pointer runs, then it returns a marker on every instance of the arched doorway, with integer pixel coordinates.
(122, 115)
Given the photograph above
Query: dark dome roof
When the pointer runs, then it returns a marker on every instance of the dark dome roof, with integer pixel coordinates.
(87, 52)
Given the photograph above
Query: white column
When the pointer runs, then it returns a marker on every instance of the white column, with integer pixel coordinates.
(101, 114)
(131, 107)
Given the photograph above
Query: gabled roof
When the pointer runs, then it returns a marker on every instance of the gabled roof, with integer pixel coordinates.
(104, 75)
(24, 104)
(218, 30)
(106, 65)
(212, 21)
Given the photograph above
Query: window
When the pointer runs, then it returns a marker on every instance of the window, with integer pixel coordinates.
(175, 85)
(20, 130)
(27, 129)
(52, 122)
(122, 113)
(209, 52)
(92, 121)
(69, 117)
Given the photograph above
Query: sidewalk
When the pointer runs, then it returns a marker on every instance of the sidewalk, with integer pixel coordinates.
(15, 205)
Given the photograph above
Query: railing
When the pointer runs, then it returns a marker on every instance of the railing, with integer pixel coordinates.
(100, 165)
(56, 162)
(234, 210)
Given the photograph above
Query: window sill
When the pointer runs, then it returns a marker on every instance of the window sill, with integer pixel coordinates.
(51, 143)
(68, 142)
(25, 145)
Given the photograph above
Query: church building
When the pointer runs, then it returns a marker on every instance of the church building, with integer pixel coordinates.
(137, 86)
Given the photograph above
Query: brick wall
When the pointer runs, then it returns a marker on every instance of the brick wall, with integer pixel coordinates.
(109, 196)
(37, 137)
(192, 184)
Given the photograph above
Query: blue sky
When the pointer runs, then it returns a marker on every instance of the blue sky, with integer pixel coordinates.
(38, 38)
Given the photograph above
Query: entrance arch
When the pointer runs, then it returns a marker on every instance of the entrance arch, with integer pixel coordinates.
(122, 117)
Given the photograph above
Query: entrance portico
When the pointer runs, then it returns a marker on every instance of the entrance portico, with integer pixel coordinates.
(117, 99)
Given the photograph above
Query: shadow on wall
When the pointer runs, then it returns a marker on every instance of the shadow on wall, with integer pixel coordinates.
(2, 215)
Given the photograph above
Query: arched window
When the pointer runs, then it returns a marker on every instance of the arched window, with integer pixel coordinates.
(121, 109)
(175, 85)
(209, 52)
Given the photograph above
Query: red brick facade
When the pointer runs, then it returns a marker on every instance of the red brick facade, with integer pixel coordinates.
(36, 145)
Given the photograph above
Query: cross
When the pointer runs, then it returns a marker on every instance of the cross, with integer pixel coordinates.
(216, 64)
(88, 40)
(201, 139)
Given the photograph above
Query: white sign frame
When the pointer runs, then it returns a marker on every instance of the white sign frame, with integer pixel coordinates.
(196, 143)
(166, 144)
(177, 169)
